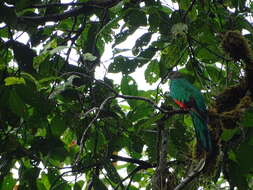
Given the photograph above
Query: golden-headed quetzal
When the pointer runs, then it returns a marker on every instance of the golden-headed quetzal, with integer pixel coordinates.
(190, 98)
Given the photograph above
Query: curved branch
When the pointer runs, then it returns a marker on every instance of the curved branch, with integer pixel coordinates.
(168, 113)
(86, 6)
(89, 126)
(52, 17)
(192, 175)
(142, 98)
(100, 4)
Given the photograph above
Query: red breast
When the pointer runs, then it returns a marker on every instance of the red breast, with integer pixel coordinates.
(181, 105)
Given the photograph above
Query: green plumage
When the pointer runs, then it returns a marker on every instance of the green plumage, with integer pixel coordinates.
(184, 92)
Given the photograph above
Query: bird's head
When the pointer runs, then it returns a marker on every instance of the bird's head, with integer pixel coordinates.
(174, 75)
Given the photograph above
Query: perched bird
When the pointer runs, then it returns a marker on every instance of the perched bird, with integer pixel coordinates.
(190, 98)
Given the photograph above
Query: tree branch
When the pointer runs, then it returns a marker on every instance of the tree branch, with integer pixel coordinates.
(98, 3)
(89, 126)
(192, 175)
(131, 174)
(168, 113)
(52, 17)
(189, 9)
(142, 163)
(73, 12)
(204, 45)
(142, 98)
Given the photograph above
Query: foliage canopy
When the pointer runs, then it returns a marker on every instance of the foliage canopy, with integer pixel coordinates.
(57, 119)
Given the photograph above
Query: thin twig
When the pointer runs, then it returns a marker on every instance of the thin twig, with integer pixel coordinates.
(195, 173)
(78, 33)
(89, 111)
(89, 126)
(73, 39)
(54, 185)
(189, 9)
(131, 174)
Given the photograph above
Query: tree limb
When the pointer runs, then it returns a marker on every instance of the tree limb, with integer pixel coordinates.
(89, 126)
(142, 163)
(189, 9)
(130, 175)
(168, 113)
(192, 175)
(71, 13)
(98, 3)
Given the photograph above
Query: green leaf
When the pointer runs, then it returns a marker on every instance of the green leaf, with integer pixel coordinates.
(244, 156)
(178, 48)
(247, 119)
(23, 4)
(152, 73)
(40, 186)
(14, 80)
(89, 57)
(49, 80)
(123, 64)
(205, 55)
(237, 178)
(98, 184)
(146, 55)
(136, 18)
(8, 182)
(142, 41)
(57, 49)
(150, 139)
(79, 185)
(251, 141)
(149, 122)
(16, 104)
(140, 110)
(128, 86)
(232, 156)
(214, 72)
(229, 133)
(122, 36)
(58, 154)
(112, 172)
(43, 182)
(136, 146)
(96, 140)
(58, 125)
(154, 19)
(68, 136)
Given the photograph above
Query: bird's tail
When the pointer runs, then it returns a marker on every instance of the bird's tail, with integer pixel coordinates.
(202, 131)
